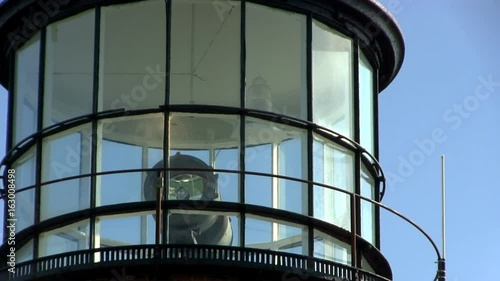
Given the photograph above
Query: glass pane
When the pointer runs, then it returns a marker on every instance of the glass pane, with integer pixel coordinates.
(70, 238)
(277, 150)
(25, 253)
(69, 68)
(279, 37)
(332, 80)
(274, 235)
(367, 208)
(25, 200)
(205, 52)
(330, 248)
(366, 110)
(155, 155)
(133, 48)
(228, 159)
(204, 228)
(333, 166)
(128, 143)
(204, 141)
(65, 155)
(26, 89)
(122, 230)
(258, 189)
(25, 208)
(292, 195)
(121, 188)
(24, 168)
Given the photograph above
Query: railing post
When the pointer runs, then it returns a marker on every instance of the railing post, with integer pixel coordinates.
(159, 184)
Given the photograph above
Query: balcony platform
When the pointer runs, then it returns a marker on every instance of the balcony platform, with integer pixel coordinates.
(183, 262)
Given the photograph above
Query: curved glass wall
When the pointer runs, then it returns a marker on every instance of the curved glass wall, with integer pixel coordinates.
(276, 36)
(367, 208)
(281, 150)
(140, 229)
(267, 234)
(25, 168)
(333, 166)
(69, 68)
(366, 106)
(221, 138)
(126, 143)
(205, 52)
(333, 102)
(66, 154)
(330, 248)
(205, 141)
(26, 93)
(25, 253)
(69, 238)
(132, 56)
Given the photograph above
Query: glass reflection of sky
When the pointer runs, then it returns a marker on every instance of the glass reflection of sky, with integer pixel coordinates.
(139, 228)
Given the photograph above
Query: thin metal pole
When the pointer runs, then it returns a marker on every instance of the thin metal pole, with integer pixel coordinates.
(442, 261)
(443, 203)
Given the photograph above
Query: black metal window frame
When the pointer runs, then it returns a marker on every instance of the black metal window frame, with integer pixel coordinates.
(16, 151)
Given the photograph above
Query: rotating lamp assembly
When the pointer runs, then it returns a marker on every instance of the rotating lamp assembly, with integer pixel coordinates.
(197, 182)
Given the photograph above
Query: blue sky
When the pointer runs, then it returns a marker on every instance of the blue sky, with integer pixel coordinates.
(434, 107)
(451, 46)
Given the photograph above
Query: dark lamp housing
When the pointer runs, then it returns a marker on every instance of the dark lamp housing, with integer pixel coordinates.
(191, 185)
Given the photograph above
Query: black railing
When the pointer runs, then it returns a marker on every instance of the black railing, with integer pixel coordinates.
(339, 139)
(187, 254)
(441, 262)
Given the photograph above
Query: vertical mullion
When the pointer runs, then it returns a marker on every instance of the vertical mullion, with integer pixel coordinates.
(94, 140)
(10, 127)
(353, 208)
(10, 103)
(38, 177)
(242, 118)
(375, 125)
(144, 165)
(309, 100)
(166, 119)
(168, 45)
(357, 164)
